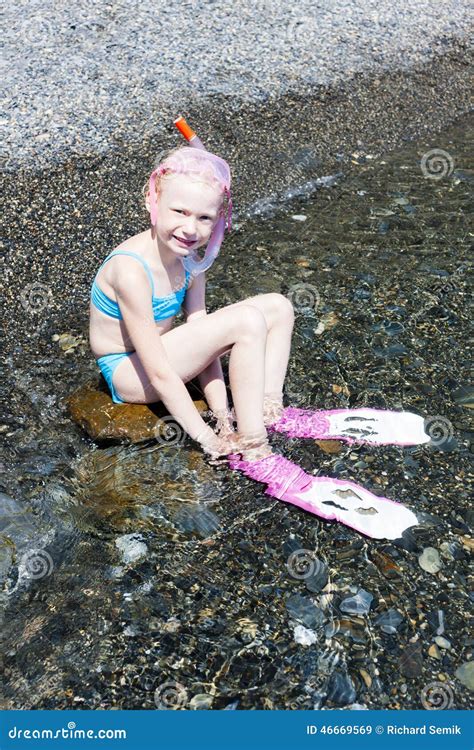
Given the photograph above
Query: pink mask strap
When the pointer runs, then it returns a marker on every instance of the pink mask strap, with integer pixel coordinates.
(229, 209)
(152, 189)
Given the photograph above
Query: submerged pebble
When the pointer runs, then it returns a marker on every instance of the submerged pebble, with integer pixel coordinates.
(411, 660)
(200, 702)
(389, 621)
(465, 674)
(430, 560)
(358, 604)
(132, 547)
(304, 636)
(341, 689)
(303, 609)
(318, 577)
(299, 217)
(442, 642)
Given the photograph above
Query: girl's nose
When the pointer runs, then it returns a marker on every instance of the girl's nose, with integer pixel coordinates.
(190, 225)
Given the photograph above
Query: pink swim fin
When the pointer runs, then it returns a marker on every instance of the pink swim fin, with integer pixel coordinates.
(331, 499)
(373, 426)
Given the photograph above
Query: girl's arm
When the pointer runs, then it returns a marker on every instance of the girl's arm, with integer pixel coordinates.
(211, 379)
(132, 288)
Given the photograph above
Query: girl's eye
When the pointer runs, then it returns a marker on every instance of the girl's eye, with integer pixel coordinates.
(181, 211)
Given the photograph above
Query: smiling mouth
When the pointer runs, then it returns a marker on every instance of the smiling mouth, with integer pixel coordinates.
(187, 243)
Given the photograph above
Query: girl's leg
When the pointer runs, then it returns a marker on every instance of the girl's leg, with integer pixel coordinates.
(191, 347)
(279, 318)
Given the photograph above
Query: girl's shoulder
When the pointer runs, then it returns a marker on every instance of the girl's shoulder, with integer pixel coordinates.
(133, 244)
(116, 270)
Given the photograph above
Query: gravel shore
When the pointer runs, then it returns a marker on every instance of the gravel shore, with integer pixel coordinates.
(83, 77)
(289, 96)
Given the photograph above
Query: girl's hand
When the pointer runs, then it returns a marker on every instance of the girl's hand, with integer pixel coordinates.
(216, 445)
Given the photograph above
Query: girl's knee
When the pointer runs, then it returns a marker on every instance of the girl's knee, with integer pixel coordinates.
(251, 321)
(282, 306)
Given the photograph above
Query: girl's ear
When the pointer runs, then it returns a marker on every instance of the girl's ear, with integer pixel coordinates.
(146, 193)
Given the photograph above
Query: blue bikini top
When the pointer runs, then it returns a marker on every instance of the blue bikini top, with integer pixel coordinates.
(163, 307)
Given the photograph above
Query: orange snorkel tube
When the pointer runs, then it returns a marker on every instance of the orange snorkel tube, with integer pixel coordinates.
(188, 133)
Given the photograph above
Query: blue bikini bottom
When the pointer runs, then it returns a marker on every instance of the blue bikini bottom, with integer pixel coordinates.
(107, 365)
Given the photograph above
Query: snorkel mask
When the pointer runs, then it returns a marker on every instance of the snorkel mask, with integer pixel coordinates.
(196, 160)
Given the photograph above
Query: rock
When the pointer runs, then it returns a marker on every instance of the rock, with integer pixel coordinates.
(201, 701)
(411, 660)
(329, 446)
(299, 217)
(430, 560)
(385, 562)
(434, 652)
(389, 621)
(304, 636)
(442, 642)
(318, 576)
(67, 342)
(94, 411)
(340, 689)
(366, 677)
(198, 518)
(303, 609)
(231, 706)
(358, 604)
(354, 628)
(468, 543)
(465, 674)
(132, 547)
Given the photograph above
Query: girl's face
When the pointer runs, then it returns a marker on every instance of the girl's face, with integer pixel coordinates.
(188, 210)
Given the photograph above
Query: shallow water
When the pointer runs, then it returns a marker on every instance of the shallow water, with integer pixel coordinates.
(143, 577)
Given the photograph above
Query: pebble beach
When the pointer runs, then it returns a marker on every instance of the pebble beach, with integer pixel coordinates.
(325, 113)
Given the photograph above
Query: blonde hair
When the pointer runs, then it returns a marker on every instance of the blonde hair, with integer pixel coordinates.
(163, 155)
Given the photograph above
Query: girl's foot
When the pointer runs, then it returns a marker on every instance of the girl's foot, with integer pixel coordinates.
(272, 407)
(252, 447)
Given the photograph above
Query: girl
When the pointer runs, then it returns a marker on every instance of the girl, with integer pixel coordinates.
(134, 302)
